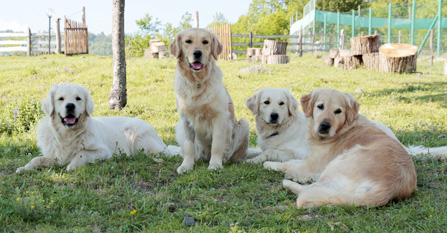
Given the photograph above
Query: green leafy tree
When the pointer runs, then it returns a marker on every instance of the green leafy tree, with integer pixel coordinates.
(218, 19)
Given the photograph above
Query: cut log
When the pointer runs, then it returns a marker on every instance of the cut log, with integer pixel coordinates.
(158, 47)
(371, 61)
(333, 53)
(254, 54)
(150, 54)
(338, 61)
(328, 61)
(351, 62)
(397, 58)
(365, 44)
(274, 47)
(275, 59)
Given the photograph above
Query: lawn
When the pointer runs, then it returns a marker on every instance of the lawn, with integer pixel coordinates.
(144, 192)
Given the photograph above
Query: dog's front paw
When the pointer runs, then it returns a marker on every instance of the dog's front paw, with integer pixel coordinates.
(272, 165)
(184, 169)
(21, 169)
(287, 184)
(215, 166)
(71, 167)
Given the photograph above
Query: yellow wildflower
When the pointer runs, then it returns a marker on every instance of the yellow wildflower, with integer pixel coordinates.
(18, 198)
(32, 207)
(43, 200)
(27, 191)
(133, 211)
(48, 206)
(52, 201)
(37, 197)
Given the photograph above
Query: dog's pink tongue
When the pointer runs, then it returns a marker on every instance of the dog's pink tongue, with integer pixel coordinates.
(70, 120)
(197, 65)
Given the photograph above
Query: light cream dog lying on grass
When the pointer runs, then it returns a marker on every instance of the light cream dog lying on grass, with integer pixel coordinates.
(69, 135)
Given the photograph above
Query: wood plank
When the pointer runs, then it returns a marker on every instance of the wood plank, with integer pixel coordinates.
(13, 49)
(13, 34)
(13, 42)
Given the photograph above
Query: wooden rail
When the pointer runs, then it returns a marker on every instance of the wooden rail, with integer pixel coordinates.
(31, 43)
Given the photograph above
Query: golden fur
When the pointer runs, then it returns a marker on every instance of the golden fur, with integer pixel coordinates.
(353, 162)
(207, 127)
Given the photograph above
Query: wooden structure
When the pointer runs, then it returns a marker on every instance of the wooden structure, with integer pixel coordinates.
(274, 52)
(351, 62)
(397, 58)
(29, 43)
(365, 44)
(371, 61)
(254, 54)
(157, 49)
(76, 37)
(223, 32)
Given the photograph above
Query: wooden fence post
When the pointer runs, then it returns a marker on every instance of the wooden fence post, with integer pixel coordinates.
(58, 35)
(399, 37)
(231, 42)
(342, 38)
(29, 43)
(301, 42)
(250, 39)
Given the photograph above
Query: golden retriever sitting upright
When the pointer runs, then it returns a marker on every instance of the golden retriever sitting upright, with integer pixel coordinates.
(282, 128)
(68, 133)
(207, 127)
(351, 160)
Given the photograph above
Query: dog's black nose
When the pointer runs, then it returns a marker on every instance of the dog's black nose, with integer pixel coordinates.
(274, 116)
(197, 54)
(70, 107)
(324, 127)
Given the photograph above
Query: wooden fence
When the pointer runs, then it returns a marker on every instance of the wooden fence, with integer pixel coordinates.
(76, 37)
(299, 43)
(223, 32)
(30, 43)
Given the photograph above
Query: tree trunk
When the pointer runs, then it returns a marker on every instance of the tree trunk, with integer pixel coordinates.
(351, 62)
(274, 47)
(118, 94)
(371, 61)
(397, 58)
(365, 44)
(275, 59)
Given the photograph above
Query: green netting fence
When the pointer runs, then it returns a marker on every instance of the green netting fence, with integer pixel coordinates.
(411, 20)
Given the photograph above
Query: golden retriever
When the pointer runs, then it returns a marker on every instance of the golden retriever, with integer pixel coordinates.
(352, 161)
(282, 128)
(207, 127)
(68, 133)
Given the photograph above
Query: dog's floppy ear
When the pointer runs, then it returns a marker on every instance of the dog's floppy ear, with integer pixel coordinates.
(352, 109)
(48, 103)
(216, 47)
(175, 47)
(292, 103)
(252, 103)
(307, 102)
(89, 105)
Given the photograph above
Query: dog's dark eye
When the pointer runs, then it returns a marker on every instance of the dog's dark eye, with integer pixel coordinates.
(266, 102)
(78, 98)
(188, 41)
(205, 42)
(338, 111)
(321, 106)
(61, 98)
(281, 103)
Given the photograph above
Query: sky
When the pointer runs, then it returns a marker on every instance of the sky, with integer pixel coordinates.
(18, 15)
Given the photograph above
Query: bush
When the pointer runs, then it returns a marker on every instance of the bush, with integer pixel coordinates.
(19, 116)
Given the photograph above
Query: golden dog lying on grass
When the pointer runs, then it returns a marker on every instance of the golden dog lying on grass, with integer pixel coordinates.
(207, 127)
(351, 160)
(68, 133)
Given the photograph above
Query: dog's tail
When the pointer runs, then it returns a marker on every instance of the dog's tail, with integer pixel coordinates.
(415, 150)
(173, 150)
(239, 140)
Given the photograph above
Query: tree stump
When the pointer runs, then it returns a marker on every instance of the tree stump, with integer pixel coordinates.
(338, 61)
(274, 47)
(328, 61)
(371, 61)
(158, 47)
(275, 59)
(351, 62)
(397, 58)
(254, 54)
(365, 44)
(333, 53)
(274, 52)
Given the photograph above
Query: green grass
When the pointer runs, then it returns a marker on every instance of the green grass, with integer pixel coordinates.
(239, 198)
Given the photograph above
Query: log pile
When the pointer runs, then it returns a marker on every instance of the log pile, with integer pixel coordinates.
(274, 52)
(254, 54)
(397, 58)
(157, 49)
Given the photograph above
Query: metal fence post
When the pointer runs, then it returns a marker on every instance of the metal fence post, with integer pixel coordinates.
(438, 52)
(389, 23)
(413, 14)
(338, 27)
(29, 43)
(370, 21)
(353, 23)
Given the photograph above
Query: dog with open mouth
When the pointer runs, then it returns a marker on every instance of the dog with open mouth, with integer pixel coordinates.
(69, 134)
(208, 128)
